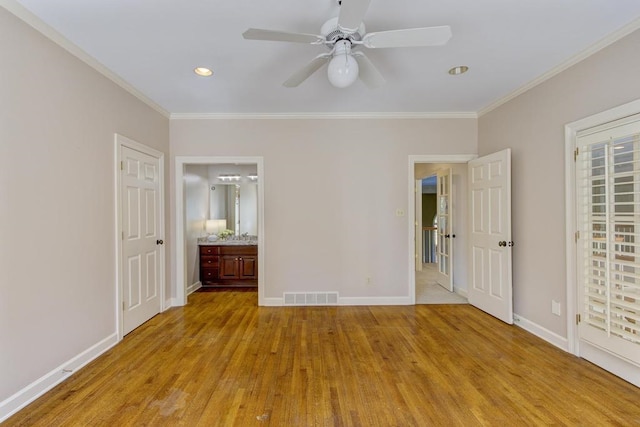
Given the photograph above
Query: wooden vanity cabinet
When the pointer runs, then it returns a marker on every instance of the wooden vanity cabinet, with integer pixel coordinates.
(238, 267)
(232, 265)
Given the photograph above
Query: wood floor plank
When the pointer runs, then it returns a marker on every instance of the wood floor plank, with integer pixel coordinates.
(223, 361)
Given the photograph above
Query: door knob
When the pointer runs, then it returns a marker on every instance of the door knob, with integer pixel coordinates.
(447, 236)
(160, 242)
(511, 244)
(502, 243)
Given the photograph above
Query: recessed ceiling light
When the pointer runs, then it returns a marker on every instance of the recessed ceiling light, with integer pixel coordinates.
(202, 71)
(461, 69)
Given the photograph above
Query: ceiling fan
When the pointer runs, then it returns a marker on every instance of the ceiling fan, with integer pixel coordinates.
(344, 35)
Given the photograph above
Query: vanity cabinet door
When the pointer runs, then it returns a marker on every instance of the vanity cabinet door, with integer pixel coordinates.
(229, 267)
(248, 267)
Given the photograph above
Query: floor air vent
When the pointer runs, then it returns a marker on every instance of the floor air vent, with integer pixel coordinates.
(310, 298)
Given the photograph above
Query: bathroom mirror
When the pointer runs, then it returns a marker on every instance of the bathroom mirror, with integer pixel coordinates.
(238, 204)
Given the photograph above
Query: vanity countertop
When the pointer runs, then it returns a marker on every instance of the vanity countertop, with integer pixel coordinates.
(228, 243)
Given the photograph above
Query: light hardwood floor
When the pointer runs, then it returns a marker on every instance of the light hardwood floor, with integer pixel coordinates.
(222, 361)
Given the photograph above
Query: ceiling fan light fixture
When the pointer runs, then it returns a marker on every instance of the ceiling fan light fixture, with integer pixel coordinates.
(203, 71)
(343, 68)
(460, 69)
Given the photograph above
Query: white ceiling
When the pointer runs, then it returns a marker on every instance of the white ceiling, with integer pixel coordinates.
(155, 44)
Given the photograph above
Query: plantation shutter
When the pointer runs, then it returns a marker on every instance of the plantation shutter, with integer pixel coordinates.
(608, 209)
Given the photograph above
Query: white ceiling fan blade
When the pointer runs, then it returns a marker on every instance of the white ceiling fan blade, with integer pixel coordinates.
(351, 14)
(306, 71)
(369, 74)
(282, 36)
(429, 36)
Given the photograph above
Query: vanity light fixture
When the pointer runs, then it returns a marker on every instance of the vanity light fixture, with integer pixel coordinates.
(203, 71)
(252, 177)
(460, 69)
(233, 177)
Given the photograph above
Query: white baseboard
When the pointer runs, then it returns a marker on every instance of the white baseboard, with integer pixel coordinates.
(278, 302)
(460, 291)
(172, 302)
(45, 383)
(273, 302)
(539, 331)
(374, 301)
(194, 287)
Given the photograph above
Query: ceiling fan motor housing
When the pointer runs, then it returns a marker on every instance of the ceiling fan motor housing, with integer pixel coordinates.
(333, 33)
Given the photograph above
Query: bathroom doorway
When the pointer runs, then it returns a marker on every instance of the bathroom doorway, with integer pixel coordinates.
(210, 191)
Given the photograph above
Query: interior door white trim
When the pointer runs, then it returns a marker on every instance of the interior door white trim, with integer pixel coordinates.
(119, 142)
(418, 246)
(411, 210)
(180, 288)
(570, 132)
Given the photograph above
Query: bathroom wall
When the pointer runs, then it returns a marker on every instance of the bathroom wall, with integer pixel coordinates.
(196, 193)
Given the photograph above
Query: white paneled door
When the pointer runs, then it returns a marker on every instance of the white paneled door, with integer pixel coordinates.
(444, 247)
(490, 231)
(141, 237)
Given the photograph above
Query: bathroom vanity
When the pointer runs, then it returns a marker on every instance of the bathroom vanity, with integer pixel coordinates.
(224, 264)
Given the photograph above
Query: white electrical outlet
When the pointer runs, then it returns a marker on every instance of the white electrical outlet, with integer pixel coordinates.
(555, 308)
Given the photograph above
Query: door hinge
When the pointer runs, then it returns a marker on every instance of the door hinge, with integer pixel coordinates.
(575, 154)
(578, 318)
(577, 236)
(121, 165)
(122, 305)
(122, 235)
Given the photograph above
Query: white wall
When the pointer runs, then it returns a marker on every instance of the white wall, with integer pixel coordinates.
(460, 217)
(532, 124)
(331, 191)
(196, 195)
(58, 118)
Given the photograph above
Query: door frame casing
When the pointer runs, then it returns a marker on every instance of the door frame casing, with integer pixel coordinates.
(119, 142)
(411, 215)
(618, 367)
(180, 286)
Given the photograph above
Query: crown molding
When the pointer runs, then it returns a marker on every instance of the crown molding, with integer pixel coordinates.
(606, 41)
(39, 25)
(310, 116)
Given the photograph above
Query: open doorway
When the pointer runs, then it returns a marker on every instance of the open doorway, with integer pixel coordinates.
(432, 286)
(426, 286)
(219, 224)
(221, 227)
